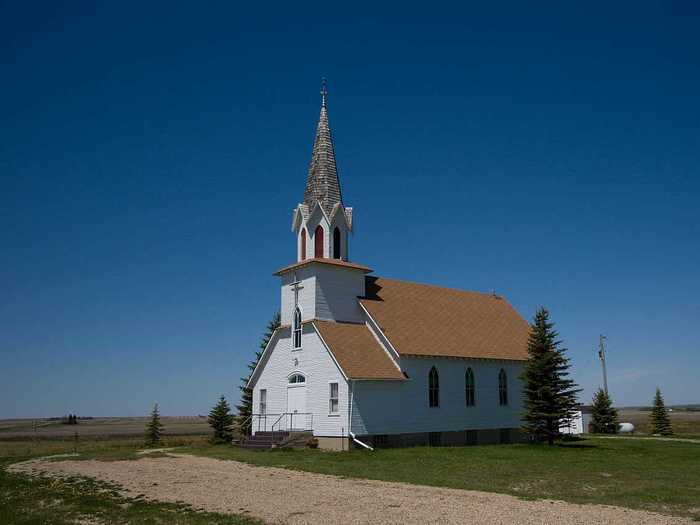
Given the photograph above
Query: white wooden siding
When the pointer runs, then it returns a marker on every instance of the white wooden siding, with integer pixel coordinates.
(337, 290)
(396, 407)
(307, 296)
(328, 293)
(319, 368)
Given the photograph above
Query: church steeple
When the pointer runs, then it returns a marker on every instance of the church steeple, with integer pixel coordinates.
(322, 182)
(322, 222)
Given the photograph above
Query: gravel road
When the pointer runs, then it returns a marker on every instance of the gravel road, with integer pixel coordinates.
(278, 495)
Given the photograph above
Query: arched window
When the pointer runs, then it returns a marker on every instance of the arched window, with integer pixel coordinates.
(502, 388)
(469, 387)
(318, 241)
(433, 388)
(296, 378)
(297, 328)
(303, 244)
(336, 243)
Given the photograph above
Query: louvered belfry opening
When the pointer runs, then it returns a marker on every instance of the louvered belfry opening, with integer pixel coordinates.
(336, 243)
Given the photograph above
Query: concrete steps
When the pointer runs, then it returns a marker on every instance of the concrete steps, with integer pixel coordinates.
(269, 440)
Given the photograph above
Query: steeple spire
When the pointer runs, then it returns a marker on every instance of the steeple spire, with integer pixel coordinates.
(322, 182)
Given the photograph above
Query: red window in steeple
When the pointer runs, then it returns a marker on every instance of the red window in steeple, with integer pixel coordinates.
(303, 244)
(318, 241)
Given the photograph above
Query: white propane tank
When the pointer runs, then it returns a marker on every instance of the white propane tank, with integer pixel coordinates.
(626, 428)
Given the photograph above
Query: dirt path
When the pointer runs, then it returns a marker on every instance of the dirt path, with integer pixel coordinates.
(285, 496)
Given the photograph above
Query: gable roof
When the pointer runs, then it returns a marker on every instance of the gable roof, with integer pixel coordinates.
(424, 320)
(357, 351)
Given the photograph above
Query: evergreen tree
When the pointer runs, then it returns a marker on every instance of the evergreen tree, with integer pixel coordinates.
(154, 428)
(221, 419)
(549, 394)
(604, 420)
(245, 407)
(660, 422)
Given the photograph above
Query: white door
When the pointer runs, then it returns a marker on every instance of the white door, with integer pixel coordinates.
(296, 404)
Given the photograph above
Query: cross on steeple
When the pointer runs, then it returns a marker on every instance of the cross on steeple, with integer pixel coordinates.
(324, 92)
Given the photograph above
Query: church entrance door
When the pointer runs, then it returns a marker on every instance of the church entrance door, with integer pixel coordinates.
(296, 407)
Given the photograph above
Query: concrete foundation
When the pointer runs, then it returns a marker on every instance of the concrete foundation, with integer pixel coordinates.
(334, 443)
(450, 438)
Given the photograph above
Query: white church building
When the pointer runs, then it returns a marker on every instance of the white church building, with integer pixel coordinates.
(384, 362)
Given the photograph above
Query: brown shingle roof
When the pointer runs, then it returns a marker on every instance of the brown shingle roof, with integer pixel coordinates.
(425, 320)
(323, 260)
(357, 351)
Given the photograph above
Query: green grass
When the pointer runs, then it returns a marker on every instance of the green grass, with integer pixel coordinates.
(636, 473)
(641, 474)
(33, 500)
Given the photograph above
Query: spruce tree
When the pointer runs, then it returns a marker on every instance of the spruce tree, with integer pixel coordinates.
(245, 407)
(221, 419)
(154, 428)
(660, 422)
(549, 394)
(604, 417)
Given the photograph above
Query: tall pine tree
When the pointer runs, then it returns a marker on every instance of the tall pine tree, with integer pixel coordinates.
(154, 428)
(550, 396)
(604, 416)
(660, 422)
(221, 419)
(245, 408)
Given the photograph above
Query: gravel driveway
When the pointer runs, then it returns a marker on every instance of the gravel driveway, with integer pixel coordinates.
(285, 496)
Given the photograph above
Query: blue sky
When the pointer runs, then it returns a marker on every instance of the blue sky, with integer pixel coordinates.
(150, 157)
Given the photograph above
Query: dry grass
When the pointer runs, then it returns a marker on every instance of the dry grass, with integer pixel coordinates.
(96, 436)
(685, 423)
(98, 427)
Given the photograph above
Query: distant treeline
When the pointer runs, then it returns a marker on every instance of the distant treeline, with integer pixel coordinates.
(64, 418)
(675, 408)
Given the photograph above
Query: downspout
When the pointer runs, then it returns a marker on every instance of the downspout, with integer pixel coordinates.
(350, 432)
(352, 395)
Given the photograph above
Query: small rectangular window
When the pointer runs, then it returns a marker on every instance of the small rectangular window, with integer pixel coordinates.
(333, 399)
(435, 439)
(263, 402)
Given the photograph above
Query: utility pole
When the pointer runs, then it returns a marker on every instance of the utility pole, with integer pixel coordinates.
(601, 354)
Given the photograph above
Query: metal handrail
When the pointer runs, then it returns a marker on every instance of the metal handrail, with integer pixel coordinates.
(272, 429)
(260, 417)
(292, 414)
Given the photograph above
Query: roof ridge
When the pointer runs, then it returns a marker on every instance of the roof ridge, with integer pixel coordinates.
(449, 288)
(362, 323)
